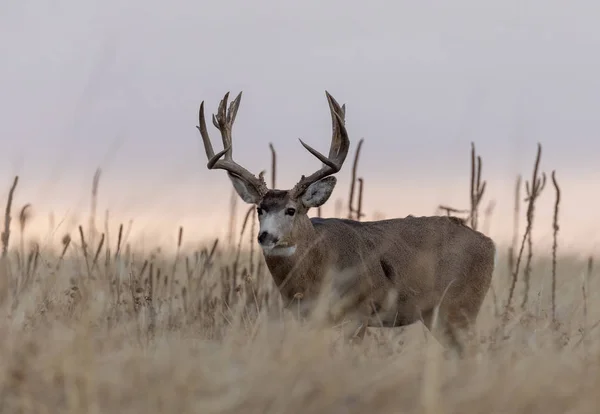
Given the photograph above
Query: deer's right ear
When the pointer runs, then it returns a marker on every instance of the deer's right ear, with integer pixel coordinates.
(318, 192)
(246, 191)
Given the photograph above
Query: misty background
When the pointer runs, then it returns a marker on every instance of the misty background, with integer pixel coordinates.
(117, 85)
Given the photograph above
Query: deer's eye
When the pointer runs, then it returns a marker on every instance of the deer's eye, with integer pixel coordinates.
(259, 210)
(290, 211)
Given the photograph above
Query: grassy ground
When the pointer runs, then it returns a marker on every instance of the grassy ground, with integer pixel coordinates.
(204, 332)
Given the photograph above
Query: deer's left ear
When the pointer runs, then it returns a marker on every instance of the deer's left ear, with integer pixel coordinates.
(244, 190)
(318, 192)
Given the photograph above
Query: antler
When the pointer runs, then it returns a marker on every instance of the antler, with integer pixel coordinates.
(223, 121)
(338, 150)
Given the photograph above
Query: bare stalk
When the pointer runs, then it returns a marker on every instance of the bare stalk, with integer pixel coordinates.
(584, 288)
(107, 230)
(85, 251)
(450, 210)
(533, 189)
(359, 213)
(93, 206)
(7, 217)
(555, 228)
(476, 191)
(489, 210)
(351, 209)
(66, 242)
(119, 241)
(515, 238)
(533, 192)
(98, 251)
(477, 187)
(516, 215)
(178, 250)
(23, 219)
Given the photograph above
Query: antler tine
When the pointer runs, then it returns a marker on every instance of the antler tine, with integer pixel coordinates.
(337, 138)
(223, 121)
(340, 143)
(223, 124)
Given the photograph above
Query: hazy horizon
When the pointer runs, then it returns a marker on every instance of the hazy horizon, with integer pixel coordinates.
(117, 86)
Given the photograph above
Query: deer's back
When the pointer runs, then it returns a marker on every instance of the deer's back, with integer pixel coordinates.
(425, 252)
(427, 233)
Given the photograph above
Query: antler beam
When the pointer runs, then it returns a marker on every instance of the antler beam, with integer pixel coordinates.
(340, 143)
(223, 160)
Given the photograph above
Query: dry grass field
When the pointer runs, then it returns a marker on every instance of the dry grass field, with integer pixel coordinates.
(97, 326)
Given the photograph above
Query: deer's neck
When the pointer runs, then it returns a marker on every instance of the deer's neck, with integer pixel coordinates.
(297, 271)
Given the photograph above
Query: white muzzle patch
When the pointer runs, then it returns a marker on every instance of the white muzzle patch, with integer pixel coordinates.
(270, 224)
(279, 251)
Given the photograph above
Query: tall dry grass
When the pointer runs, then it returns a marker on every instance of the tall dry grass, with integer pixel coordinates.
(96, 325)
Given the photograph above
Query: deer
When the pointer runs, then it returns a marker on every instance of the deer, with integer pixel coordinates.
(385, 273)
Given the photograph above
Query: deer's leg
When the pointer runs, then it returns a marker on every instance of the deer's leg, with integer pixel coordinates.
(461, 328)
(357, 325)
(355, 308)
(452, 335)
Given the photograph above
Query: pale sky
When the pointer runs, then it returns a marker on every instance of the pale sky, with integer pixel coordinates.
(118, 84)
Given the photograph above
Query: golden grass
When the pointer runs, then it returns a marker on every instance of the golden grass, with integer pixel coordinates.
(98, 326)
(114, 339)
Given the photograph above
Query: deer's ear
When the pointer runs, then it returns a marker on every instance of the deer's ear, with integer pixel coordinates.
(246, 192)
(318, 192)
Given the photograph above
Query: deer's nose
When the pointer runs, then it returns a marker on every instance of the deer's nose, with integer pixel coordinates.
(266, 238)
(262, 237)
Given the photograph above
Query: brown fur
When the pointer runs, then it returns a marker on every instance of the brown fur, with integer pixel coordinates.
(417, 258)
(385, 273)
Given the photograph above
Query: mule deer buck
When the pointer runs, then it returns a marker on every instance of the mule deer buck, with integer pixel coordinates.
(388, 273)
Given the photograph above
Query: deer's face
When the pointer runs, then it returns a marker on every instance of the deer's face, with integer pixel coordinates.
(278, 216)
(281, 217)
